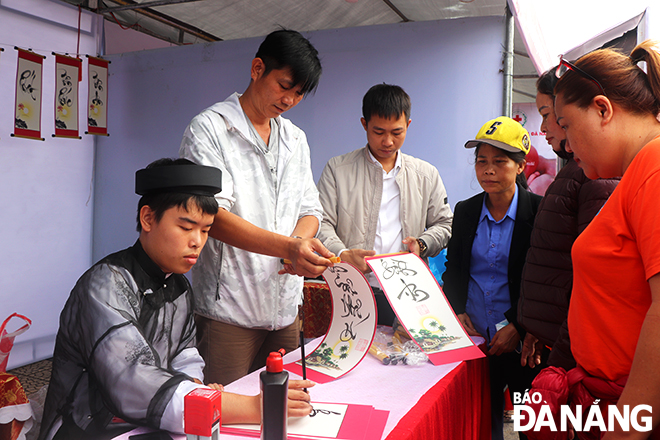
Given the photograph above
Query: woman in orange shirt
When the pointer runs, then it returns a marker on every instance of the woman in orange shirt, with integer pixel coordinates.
(608, 107)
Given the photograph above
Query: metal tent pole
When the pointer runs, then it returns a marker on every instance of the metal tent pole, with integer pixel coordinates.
(508, 63)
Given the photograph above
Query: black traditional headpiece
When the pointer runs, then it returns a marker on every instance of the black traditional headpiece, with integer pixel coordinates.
(182, 178)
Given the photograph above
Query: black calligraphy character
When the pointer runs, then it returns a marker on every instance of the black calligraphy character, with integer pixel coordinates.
(64, 94)
(97, 100)
(337, 271)
(323, 411)
(98, 83)
(98, 86)
(26, 80)
(353, 310)
(346, 286)
(398, 268)
(347, 334)
(411, 290)
(349, 308)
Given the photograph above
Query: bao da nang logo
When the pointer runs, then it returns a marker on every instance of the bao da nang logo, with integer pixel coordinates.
(539, 416)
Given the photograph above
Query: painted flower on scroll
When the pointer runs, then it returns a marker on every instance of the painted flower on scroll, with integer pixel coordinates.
(94, 110)
(22, 110)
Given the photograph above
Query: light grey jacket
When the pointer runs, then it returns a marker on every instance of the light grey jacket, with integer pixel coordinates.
(232, 285)
(351, 188)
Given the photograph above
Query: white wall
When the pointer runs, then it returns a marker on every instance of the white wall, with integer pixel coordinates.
(451, 69)
(46, 201)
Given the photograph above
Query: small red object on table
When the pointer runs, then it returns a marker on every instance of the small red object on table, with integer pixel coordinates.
(202, 413)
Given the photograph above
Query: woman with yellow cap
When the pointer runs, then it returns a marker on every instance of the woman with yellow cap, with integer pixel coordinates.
(486, 255)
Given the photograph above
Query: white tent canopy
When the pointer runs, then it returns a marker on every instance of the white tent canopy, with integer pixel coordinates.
(550, 28)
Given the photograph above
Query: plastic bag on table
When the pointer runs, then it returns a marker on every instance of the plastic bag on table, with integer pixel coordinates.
(396, 347)
(7, 339)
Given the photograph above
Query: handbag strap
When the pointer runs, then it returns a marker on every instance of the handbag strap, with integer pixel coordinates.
(28, 323)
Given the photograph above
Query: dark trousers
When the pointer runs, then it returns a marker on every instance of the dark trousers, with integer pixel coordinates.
(386, 315)
(506, 370)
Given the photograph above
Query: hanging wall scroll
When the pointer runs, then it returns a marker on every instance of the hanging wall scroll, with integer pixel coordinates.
(67, 70)
(422, 308)
(97, 108)
(351, 330)
(27, 115)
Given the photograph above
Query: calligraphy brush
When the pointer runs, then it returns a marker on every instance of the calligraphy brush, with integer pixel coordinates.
(302, 341)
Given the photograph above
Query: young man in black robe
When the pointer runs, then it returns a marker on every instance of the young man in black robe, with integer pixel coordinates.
(125, 351)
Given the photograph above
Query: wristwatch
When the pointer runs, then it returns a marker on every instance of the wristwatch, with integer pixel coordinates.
(422, 247)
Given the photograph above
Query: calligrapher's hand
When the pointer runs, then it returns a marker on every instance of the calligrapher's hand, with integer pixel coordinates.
(356, 258)
(505, 340)
(531, 351)
(216, 386)
(467, 324)
(412, 245)
(298, 404)
(307, 257)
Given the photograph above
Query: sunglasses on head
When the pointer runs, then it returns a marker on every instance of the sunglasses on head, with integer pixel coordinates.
(564, 66)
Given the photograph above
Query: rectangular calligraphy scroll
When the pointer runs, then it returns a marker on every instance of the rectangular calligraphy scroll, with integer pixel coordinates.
(97, 108)
(422, 308)
(66, 96)
(27, 116)
(352, 328)
(328, 420)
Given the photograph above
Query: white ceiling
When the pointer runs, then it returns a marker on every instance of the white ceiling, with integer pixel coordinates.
(200, 21)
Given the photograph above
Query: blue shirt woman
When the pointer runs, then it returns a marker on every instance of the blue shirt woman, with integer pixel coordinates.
(486, 255)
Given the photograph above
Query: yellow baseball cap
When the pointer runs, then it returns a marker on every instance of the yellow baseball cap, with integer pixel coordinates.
(504, 133)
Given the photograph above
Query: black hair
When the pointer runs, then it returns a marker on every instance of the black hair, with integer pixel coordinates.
(546, 83)
(387, 101)
(518, 157)
(285, 48)
(159, 202)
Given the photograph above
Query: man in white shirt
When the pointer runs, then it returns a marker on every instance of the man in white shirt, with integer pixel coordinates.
(377, 200)
(246, 302)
